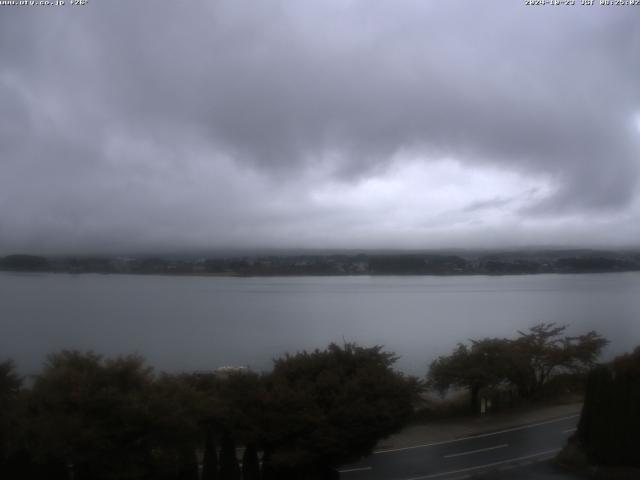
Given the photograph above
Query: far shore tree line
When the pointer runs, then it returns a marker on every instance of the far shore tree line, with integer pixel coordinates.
(346, 263)
(87, 417)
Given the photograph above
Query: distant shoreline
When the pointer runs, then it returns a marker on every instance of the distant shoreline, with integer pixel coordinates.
(338, 265)
(327, 275)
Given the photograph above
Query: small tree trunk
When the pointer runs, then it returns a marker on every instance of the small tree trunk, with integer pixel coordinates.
(475, 399)
(229, 468)
(250, 464)
(210, 458)
(51, 469)
(188, 465)
(268, 473)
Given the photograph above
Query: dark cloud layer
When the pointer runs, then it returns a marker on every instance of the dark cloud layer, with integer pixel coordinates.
(154, 124)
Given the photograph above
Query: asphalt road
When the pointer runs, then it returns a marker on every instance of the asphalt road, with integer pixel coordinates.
(493, 453)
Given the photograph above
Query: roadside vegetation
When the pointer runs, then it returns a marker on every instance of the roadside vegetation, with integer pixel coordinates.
(541, 363)
(606, 443)
(88, 417)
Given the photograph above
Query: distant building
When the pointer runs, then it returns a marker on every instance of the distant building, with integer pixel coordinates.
(225, 372)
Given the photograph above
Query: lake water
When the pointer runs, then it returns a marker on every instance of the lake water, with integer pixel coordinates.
(189, 323)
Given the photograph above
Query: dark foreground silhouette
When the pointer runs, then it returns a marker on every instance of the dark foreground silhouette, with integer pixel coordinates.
(87, 417)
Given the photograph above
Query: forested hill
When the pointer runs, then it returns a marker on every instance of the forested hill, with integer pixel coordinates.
(429, 263)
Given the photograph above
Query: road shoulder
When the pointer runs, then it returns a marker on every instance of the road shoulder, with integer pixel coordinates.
(451, 429)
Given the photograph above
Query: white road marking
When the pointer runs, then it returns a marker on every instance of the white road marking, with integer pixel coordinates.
(470, 452)
(359, 469)
(481, 435)
(486, 465)
(569, 430)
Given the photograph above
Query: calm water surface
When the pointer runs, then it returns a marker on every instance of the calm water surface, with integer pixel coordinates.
(181, 323)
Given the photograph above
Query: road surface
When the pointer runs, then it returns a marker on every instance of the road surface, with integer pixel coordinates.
(477, 455)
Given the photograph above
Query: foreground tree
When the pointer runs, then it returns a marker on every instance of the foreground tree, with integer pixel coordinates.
(92, 413)
(609, 427)
(210, 457)
(543, 351)
(233, 413)
(474, 367)
(526, 363)
(94, 418)
(229, 467)
(10, 385)
(250, 463)
(10, 381)
(239, 406)
(329, 407)
(176, 429)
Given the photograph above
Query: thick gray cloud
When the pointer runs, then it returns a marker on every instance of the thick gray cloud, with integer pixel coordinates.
(164, 124)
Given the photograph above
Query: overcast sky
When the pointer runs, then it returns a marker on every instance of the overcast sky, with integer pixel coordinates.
(150, 125)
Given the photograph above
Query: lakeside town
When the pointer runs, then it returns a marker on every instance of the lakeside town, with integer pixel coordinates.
(339, 263)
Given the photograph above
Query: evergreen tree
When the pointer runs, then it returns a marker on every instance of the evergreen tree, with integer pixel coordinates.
(595, 427)
(250, 463)
(268, 471)
(229, 468)
(609, 427)
(328, 407)
(10, 386)
(210, 459)
(188, 465)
